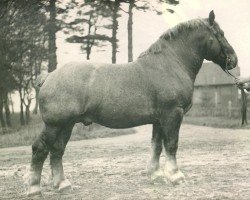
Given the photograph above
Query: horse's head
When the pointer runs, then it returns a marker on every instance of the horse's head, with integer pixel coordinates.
(218, 49)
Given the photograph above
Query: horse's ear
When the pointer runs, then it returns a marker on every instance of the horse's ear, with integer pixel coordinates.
(211, 18)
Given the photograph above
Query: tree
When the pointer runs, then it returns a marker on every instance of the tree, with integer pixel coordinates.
(2, 120)
(92, 16)
(52, 29)
(132, 5)
(7, 109)
(22, 35)
(114, 6)
(6, 79)
(95, 9)
(85, 26)
(170, 2)
(26, 73)
(53, 9)
(6, 86)
(130, 30)
(142, 6)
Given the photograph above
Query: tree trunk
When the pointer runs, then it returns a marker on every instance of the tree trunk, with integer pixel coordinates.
(11, 104)
(27, 114)
(88, 40)
(88, 50)
(35, 111)
(37, 88)
(7, 109)
(22, 120)
(114, 30)
(130, 30)
(52, 36)
(3, 124)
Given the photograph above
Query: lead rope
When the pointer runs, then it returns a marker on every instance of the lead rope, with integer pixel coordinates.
(243, 97)
(243, 107)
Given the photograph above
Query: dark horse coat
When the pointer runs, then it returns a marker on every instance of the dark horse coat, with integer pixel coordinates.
(155, 89)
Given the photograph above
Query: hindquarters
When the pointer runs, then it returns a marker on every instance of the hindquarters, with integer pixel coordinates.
(64, 94)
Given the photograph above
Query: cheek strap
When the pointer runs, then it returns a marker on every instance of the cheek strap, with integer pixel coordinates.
(209, 45)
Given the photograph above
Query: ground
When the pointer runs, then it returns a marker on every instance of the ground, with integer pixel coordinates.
(216, 163)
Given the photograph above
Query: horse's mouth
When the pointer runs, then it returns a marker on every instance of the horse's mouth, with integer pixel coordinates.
(231, 63)
(228, 62)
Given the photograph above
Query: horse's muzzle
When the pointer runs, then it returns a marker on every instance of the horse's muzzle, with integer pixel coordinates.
(230, 62)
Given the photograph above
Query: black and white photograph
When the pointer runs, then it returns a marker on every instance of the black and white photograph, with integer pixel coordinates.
(125, 99)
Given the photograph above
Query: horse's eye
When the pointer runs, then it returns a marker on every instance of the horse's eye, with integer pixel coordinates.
(222, 34)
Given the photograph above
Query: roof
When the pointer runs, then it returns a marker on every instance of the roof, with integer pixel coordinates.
(212, 74)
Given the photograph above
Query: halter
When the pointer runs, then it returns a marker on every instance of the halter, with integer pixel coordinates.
(211, 28)
(243, 94)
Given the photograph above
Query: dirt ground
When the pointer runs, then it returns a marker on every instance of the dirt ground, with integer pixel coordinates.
(216, 163)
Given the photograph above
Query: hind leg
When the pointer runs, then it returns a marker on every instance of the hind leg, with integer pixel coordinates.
(40, 150)
(156, 146)
(171, 125)
(56, 154)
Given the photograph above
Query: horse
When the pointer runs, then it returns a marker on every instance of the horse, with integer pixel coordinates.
(155, 89)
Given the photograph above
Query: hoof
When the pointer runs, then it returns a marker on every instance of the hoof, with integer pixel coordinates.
(34, 191)
(64, 186)
(175, 178)
(157, 175)
(152, 168)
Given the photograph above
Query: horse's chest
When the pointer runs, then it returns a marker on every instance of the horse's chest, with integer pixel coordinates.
(176, 94)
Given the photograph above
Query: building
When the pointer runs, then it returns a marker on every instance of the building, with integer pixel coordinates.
(215, 91)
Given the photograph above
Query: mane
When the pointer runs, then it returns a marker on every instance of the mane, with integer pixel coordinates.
(171, 34)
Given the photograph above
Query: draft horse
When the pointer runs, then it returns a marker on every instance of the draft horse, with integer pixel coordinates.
(155, 89)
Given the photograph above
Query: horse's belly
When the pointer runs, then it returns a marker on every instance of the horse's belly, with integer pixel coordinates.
(124, 116)
(123, 122)
(112, 122)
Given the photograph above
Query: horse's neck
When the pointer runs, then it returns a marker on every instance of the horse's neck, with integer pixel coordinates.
(190, 53)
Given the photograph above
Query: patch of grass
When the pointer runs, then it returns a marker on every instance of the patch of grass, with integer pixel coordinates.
(26, 135)
(21, 136)
(216, 121)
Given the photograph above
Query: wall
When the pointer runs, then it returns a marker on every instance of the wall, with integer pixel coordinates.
(216, 100)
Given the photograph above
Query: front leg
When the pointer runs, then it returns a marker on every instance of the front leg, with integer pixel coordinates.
(171, 123)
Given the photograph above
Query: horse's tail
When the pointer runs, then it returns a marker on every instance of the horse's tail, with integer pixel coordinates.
(41, 79)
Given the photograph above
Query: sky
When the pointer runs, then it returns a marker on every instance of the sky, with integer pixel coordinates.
(232, 16)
